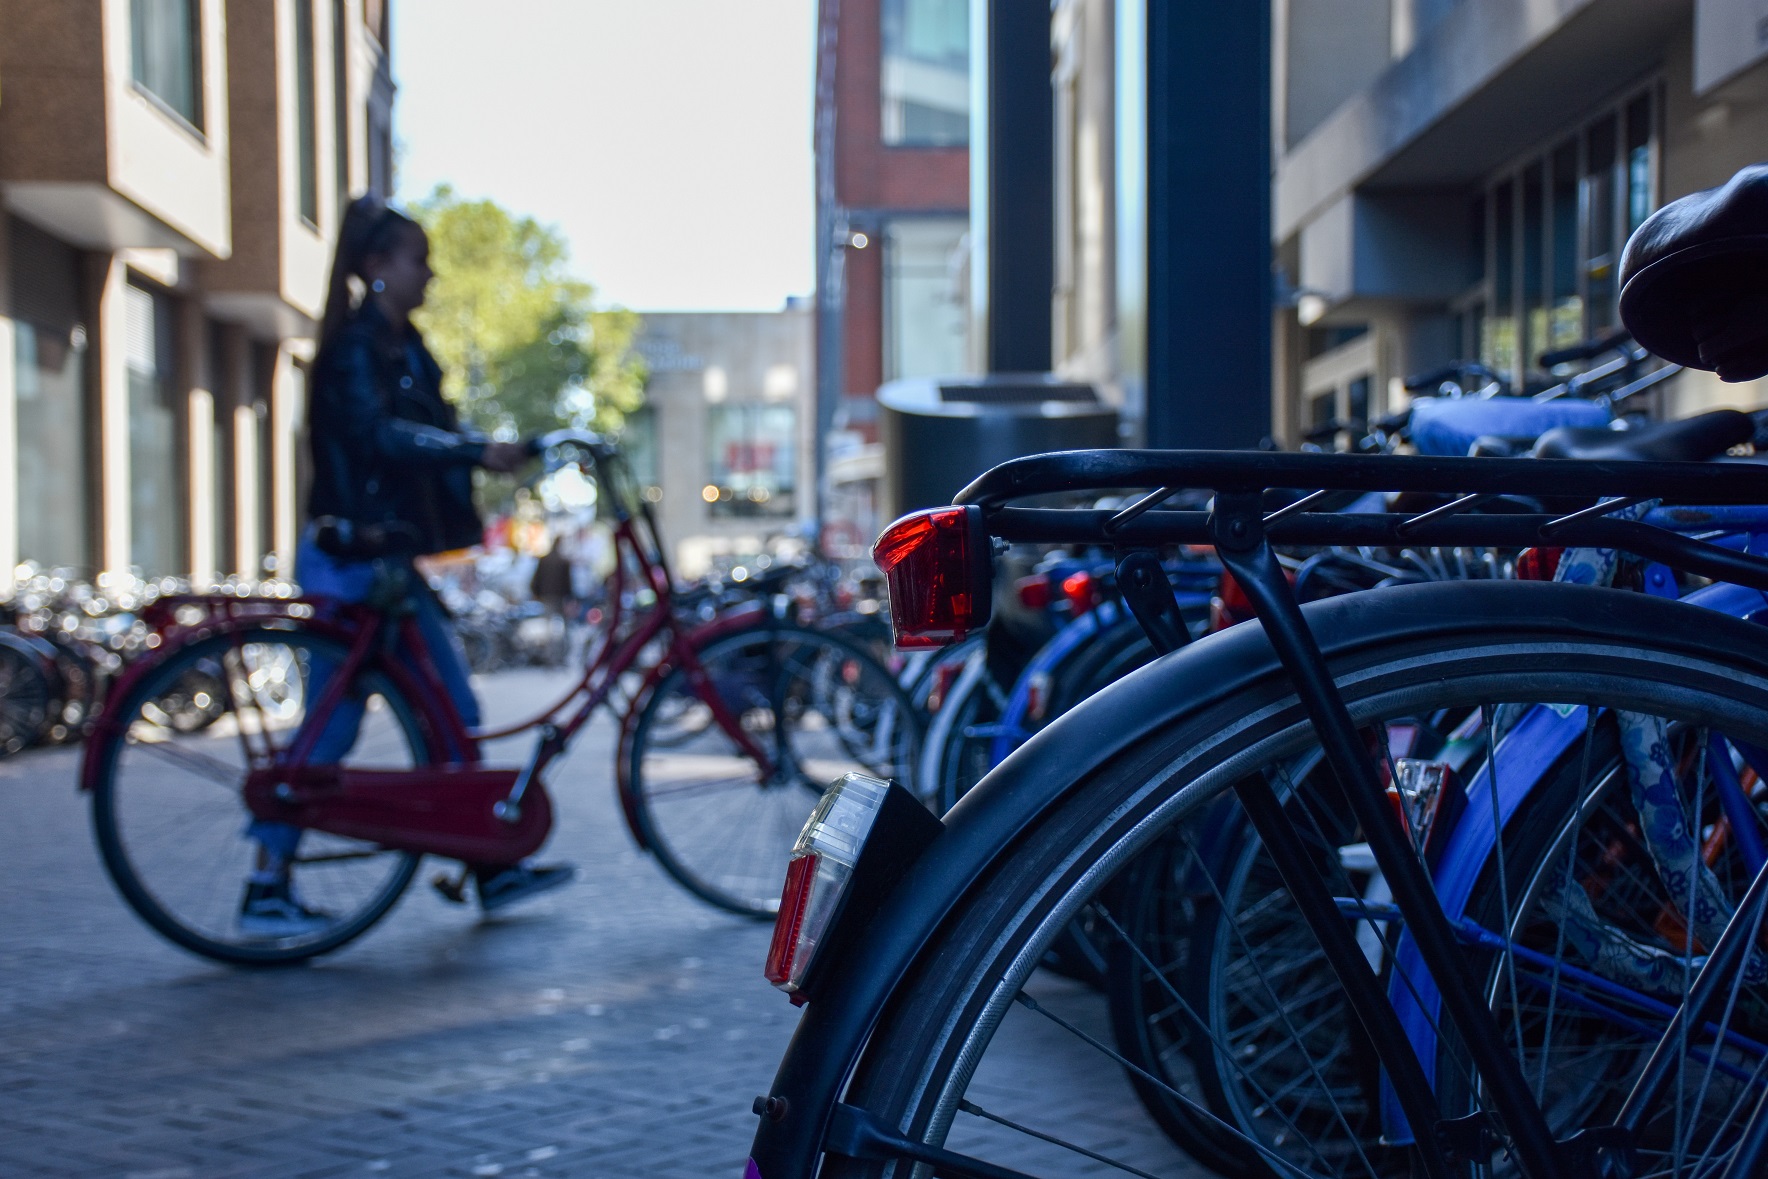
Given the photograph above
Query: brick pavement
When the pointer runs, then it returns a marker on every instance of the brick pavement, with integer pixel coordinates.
(616, 1028)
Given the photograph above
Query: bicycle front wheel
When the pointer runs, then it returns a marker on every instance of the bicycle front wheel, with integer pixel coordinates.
(720, 799)
(170, 818)
(1584, 911)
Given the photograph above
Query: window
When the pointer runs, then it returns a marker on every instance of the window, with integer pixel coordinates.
(156, 505)
(752, 460)
(306, 113)
(925, 74)
(924, 321)
(51, 445)
(638, 442)
(49, 355)
(1551, 230)
(166, 55)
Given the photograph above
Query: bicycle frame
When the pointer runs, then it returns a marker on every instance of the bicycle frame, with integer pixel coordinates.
(1243, 533)
(369, 632)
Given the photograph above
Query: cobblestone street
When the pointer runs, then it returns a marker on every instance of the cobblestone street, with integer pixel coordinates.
(616, 1028)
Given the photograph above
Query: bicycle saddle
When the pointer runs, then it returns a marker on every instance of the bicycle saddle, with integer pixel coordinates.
(1694, 439)
(1695, 279)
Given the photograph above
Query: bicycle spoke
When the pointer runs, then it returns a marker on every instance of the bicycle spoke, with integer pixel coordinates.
(970, 1107)
(201, 765)
(1264, 1152)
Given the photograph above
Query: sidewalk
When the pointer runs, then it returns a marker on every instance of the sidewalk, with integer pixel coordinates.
(616, 1028)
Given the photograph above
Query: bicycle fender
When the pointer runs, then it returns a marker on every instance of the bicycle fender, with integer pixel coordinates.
(854, 991)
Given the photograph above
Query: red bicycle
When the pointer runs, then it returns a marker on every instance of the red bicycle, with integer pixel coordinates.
(729, 730)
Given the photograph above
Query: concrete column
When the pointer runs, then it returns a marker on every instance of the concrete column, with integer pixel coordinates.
(1209, 224)
(1012, 160)
(108, 276)
(199, 416)
(8, 417)
(247, 545)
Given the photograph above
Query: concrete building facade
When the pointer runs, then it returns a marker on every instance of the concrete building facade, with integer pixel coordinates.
(1456, 179)
(892, 127)
(725, 443)
(172, 174)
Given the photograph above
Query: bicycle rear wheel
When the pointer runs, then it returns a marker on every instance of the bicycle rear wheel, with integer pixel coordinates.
(169, 816)
(27, 696)
(1240, 984)
(816, 705)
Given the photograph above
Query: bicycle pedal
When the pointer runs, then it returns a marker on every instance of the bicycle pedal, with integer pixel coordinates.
(453, 889)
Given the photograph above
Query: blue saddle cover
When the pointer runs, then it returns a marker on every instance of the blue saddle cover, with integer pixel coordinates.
(1448, 426)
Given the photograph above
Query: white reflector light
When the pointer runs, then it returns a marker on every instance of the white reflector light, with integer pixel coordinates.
(818, 873)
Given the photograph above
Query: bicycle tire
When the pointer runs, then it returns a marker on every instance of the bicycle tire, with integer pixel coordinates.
(924, 1053)
(698, 802)
(152, 855)
(27, 696)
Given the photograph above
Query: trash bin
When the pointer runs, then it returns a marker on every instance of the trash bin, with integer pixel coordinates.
(941, 433)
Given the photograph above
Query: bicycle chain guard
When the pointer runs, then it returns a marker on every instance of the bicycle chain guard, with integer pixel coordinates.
(442, 810)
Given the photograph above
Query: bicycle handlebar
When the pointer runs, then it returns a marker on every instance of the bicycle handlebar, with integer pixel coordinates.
(538, 444)
(1588, 350)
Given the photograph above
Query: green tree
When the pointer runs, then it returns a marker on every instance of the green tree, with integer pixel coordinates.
(521, 345)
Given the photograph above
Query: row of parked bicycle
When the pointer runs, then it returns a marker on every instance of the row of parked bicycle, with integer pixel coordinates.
(1464, 877)
(65, 641)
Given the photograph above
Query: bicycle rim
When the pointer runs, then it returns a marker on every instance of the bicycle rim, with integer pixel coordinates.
(168, 813)
(1300, 1100)
(718, 821)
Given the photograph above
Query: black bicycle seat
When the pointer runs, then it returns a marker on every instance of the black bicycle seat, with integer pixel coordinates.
(1694, 439)
(1695, 279)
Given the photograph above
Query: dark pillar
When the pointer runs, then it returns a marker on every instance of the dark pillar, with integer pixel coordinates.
(1209, 223)
(1011, 186)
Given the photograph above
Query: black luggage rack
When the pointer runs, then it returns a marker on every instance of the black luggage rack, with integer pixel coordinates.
(1245, 476)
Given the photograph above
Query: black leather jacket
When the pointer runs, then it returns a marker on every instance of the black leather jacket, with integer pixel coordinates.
(387, 449)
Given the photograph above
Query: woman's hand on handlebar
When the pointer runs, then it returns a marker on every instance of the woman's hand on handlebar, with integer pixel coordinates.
(504, 457)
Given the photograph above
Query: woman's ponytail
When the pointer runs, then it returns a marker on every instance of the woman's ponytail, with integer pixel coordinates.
(369, 228)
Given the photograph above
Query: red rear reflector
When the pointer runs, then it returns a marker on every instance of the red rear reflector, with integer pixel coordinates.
(1081, 591)
(794, 897)
(1538, 564)
(937, 565)
(1230, 606)
(1034, 591)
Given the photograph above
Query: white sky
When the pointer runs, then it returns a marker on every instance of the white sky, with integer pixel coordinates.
(669, 139)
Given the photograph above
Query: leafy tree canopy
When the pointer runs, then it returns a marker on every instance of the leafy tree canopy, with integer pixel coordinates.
(521, 345)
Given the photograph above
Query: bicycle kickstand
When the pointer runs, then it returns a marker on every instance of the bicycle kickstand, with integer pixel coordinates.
(453, 889)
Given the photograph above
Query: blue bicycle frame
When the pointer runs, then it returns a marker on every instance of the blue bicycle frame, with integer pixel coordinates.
(1532, 747)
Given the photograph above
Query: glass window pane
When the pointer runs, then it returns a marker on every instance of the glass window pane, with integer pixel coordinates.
(1534, 270)
(166, 54)
(306, 113)
(1640, 189)
(1599, 222)
(51, 408)
(925, 72)
(1498, 343)
(923, 318)
(156, 507)
(1568, 307)
(752, 460)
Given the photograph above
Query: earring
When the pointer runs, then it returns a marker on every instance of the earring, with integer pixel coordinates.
(377, 286)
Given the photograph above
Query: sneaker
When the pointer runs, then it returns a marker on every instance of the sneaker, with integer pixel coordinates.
(271, 910)
(519, 882)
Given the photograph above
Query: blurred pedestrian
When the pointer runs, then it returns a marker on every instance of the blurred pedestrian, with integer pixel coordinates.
(392, 477)
(551, 583)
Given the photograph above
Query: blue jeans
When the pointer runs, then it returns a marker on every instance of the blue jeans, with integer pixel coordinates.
(324, 576)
